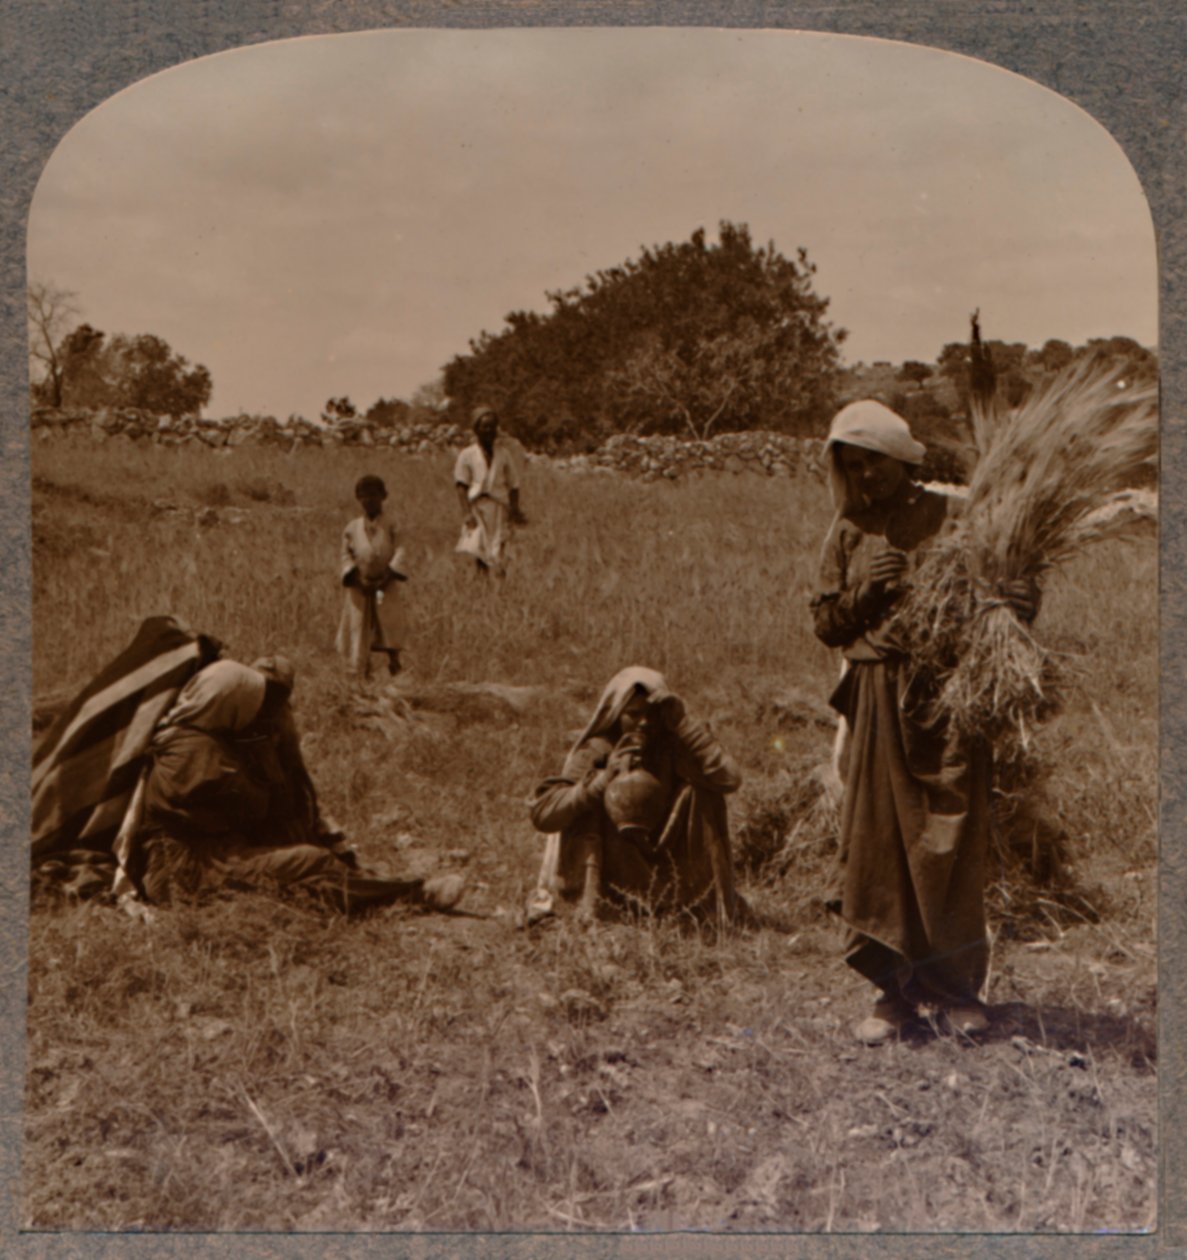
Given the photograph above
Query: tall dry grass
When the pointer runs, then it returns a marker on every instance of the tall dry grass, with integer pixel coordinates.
(699, 580)
(248, 1064)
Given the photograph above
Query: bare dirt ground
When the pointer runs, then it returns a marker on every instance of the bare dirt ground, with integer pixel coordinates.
(248, 1065)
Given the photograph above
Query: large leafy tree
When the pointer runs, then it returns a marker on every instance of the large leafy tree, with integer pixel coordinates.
(154, 378)
(695, 337)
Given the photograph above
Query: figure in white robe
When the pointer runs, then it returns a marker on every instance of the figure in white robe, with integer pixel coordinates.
(486, 475)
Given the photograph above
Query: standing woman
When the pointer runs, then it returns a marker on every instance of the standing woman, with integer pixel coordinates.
(915, 812)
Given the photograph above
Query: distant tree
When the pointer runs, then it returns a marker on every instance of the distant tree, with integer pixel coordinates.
(1138, 363)
(430, 397)
(388, 413)
(980, 368)
(338, 409)
(143, 371)
(692, 337)
(953, 362)
(88, 378)
(734, 373)
(1054, 356)
(50, 312)
(915, 372)
(150, 376)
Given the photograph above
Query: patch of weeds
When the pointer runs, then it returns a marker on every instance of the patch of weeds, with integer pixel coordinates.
(1037, 884)
(788, 823)
(213, 494)
(261, 490)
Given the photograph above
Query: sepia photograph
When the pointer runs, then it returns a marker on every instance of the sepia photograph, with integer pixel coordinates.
(595, 644)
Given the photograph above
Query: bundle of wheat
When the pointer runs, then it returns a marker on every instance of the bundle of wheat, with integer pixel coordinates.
(1045, 476)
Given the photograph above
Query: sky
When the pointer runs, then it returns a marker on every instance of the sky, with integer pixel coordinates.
(342, 214)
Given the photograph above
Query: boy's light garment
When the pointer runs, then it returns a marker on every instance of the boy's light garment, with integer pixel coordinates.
(370, 547)
(372, 613)
(494, 479)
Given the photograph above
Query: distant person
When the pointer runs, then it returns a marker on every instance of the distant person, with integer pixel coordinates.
(227, 800)
(638, 812)
(372, 614)
(486, 476)
(915, 804)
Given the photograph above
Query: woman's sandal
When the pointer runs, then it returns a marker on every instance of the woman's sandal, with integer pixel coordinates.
(887, 1020)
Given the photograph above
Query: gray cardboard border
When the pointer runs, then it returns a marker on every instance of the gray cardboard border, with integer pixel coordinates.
(1122, 62)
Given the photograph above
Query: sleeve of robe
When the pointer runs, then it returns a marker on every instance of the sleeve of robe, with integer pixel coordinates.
(842, 611)
(700, 759)
(463, 474)
(561, 799)
(196, 778)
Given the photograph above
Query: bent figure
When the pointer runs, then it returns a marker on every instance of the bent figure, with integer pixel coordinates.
(638, 812)
(916, 805)
(88, 764)
(228, 800)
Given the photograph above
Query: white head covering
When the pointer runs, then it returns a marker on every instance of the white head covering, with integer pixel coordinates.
(873, 426)
(225, 696)
(614, 699)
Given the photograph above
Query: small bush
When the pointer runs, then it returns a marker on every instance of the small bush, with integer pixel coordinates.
(261, 490)
(214, 494)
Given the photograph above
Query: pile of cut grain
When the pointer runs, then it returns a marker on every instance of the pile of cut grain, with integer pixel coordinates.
(1045, 475)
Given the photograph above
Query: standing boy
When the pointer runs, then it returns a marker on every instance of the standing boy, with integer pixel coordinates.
(372, 615)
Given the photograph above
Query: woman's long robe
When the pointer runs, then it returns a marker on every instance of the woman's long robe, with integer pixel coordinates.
(915, 813)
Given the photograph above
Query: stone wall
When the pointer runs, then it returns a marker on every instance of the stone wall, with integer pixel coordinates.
(242, 430)
(652, 458)
(649, 458)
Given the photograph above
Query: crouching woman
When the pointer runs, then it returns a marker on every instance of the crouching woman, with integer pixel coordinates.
(637, 816)
(228, 801)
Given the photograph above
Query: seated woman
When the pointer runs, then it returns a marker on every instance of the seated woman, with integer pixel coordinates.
(638, 811)
(227, 799)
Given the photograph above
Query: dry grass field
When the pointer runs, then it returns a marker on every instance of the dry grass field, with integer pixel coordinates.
(249, 1063)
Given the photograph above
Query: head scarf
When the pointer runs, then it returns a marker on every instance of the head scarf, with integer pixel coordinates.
(874, 427)
(614, 699)
(480, 411)
(225, 696)
(277, 669)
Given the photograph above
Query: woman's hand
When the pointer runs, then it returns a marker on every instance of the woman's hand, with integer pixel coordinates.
(599, 780)
(883, 582)
(668, 706)
(888, 566)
